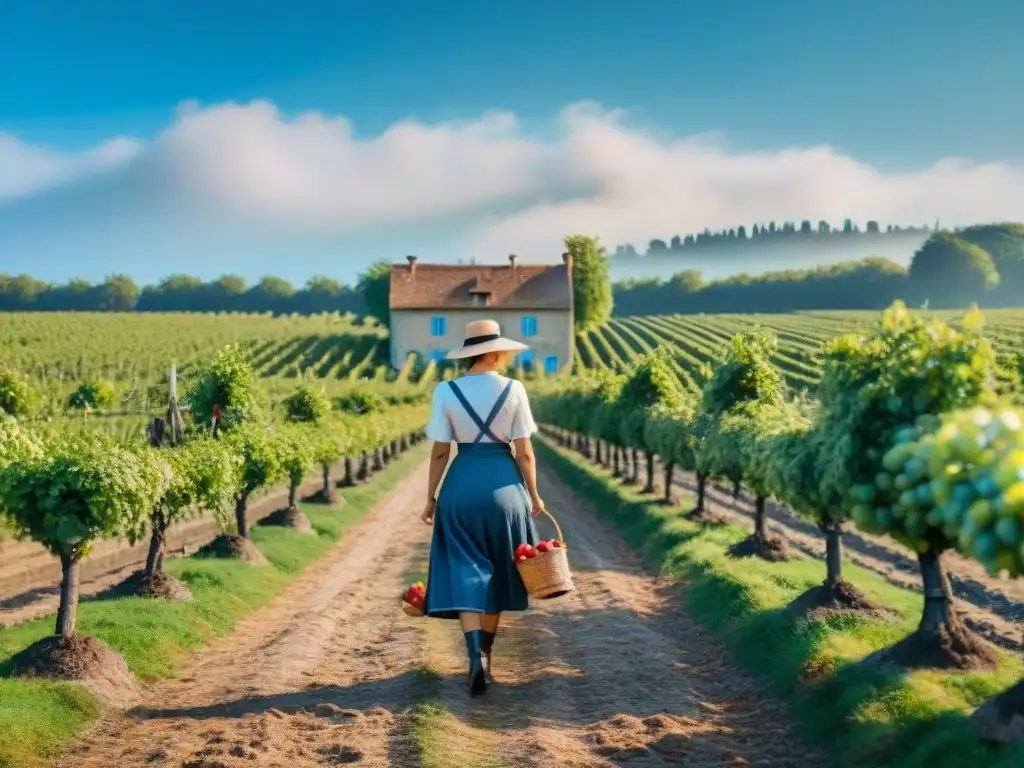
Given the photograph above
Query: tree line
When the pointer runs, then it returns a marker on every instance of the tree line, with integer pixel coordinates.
(822, 231)
(982, 264)
(230, 293)
(181, 293)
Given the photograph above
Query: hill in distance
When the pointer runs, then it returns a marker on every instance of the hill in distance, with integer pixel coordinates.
(767, 248)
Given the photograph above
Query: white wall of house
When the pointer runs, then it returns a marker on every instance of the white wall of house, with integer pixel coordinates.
(432, 332)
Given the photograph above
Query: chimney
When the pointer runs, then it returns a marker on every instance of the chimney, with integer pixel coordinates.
(412, 265)
(567, 259)
(512, 260)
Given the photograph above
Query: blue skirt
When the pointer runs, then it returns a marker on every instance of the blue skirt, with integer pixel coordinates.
(482, 515)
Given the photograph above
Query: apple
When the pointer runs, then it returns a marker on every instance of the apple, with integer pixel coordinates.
(530, 552)
(521, 550)
(557, 544)
(544, 546)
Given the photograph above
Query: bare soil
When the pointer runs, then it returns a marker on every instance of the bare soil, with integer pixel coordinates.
(232, 547)
(951, 647)
(160, 585)
(774, 548)
(83, 659)
(819, 603)
(289, 517)
(332, 673)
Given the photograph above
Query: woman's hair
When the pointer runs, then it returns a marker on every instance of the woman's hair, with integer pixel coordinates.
(469, 362)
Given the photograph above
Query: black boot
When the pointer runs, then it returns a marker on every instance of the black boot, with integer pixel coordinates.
(487, 646)
(477, 664)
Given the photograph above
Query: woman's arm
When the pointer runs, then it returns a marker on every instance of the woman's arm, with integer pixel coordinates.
(528, 466)
(439, 453)
(439, 429)
(522, 427)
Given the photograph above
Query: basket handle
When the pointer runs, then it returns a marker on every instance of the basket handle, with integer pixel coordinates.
(558, 528)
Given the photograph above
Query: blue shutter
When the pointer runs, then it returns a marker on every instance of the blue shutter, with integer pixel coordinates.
(551, 364)
(438, 326)
(437, 355)
(526, 359)
(528, 325)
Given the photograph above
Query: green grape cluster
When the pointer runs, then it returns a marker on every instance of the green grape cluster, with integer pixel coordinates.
(975, 460)
(900, 501)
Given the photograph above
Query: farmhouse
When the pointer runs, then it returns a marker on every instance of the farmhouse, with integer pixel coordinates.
(431, 304)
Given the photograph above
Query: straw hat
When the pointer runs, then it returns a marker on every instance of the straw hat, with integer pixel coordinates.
(483, 336)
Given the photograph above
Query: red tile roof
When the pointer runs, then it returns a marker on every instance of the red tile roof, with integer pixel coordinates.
(523, 286)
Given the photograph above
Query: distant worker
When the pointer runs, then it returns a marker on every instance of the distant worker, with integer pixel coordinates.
(485, 508)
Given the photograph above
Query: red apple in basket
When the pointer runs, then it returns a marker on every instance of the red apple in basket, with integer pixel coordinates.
(415, 592)
(557, 544)
(544, 546)
(521, 551)
(530, 552)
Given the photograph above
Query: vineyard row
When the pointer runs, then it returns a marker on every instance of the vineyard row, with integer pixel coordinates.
(914, 434)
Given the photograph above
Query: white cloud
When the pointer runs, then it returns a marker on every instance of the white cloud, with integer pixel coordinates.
(25, 169)
(226, 173)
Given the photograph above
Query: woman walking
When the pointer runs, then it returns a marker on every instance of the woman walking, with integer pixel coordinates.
(489, 498)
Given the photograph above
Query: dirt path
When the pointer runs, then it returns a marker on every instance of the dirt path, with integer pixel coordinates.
(332, 673)
(615, 674)
(320, 677)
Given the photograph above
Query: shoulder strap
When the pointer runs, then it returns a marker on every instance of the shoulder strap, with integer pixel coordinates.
(484, 428)
(494, 411)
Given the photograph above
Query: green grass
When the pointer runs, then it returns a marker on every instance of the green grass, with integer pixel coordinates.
(860, 715)
(38, 718)
(444, 740)
(428, 725)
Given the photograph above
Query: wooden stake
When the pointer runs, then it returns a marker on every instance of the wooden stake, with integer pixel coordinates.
(173, 412)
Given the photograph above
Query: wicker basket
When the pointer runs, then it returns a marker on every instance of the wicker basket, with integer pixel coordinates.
(547, 575)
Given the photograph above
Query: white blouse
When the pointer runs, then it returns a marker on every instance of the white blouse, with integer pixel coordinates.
(449, 421)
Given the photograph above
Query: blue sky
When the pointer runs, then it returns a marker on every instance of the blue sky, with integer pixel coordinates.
(892, 87)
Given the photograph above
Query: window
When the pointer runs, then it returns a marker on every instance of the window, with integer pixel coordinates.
(526, 359)
(529, 326)
(438, 326)
(551, 364)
